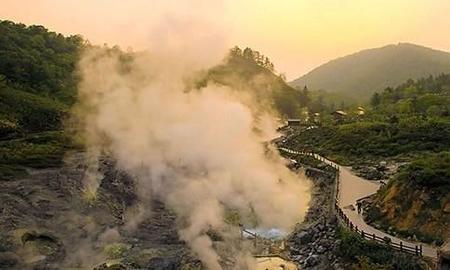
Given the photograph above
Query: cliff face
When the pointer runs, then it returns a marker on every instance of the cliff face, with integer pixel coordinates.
(413, 212)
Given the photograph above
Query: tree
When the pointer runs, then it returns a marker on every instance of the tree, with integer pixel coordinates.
(375, 100)
(304, 97)
(248, 53)
(235, 51)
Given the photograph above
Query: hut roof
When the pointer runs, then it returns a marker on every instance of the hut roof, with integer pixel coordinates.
(340, 113)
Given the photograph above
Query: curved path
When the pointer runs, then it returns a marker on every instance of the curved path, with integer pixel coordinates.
(352, 188)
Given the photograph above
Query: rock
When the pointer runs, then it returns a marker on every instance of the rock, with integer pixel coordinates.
(447, 208)
(8, 260)
(320, 227)
(303, 238)
(312, 260)
(163, 264)
(382, 166)
(105, 266)
(370, 173)
(320, 250)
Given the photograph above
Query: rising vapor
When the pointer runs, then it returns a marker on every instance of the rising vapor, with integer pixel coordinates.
(200, 151)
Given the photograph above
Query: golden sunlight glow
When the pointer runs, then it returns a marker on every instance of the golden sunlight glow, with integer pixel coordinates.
(297, 34)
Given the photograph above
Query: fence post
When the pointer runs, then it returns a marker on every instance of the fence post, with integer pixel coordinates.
(373, 236)
(417, 250)
(363, 234)
(401, 246)
(420, 249)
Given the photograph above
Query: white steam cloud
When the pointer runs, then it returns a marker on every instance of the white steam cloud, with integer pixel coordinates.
(201, 152)
(197, 151)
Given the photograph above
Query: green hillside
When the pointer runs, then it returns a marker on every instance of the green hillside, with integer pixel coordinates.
(37, 88)
(359, 75)
(249, 71)
(408, 126)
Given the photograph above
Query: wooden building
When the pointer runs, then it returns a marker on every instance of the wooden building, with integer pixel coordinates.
(294, 122)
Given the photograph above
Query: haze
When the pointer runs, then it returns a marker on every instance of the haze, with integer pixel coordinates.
(297, 35)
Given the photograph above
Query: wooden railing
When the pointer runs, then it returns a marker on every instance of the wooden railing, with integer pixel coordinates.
(412, 249)
(403, 247)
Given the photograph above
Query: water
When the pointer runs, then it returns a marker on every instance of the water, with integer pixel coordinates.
(271, 233)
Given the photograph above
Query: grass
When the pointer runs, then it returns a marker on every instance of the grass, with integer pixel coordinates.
(352, 143)
(39, 150)
(367, 255)
(412, 203)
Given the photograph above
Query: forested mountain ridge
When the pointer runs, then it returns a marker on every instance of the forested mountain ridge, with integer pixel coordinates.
(250, 71)
(37, 78)
(361, 74)
(37, 88)
(38, 85)
(408, 127)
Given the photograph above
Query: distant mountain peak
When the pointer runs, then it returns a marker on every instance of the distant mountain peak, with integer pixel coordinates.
(362, 73)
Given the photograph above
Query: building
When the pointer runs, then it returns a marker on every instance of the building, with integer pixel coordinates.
(360, 111)
(294, 122)
(339, 115)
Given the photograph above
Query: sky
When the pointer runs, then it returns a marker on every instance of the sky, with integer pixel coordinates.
(297, 35)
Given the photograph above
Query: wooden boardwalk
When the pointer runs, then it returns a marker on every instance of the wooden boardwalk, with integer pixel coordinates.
(349, 188)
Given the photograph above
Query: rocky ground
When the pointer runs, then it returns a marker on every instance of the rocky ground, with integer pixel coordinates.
(377, 171)
(314, 243)
(47, 223)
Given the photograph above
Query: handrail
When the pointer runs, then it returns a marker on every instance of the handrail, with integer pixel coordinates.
(403, 247)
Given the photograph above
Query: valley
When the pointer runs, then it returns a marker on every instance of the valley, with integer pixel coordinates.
(171, 159)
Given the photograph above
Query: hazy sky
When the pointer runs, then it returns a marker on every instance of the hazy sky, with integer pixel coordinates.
(297, 35)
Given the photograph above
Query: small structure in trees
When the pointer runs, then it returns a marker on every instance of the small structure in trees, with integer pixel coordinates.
(339, 115)
(316, 118)
(360, 111)
(294, 122)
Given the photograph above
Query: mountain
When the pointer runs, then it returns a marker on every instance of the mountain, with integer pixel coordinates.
(37, 79)
(37, 88)
(361, 74)
(407, 127)
(251, 72)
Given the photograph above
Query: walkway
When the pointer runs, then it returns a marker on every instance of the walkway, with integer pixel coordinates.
(351, 188)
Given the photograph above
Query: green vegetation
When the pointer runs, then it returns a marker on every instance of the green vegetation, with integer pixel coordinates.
(37, 88)
(409, 123)
(358, 141)
(368, 255)
(417, 202)
(359, 75)
(429, 171)
(251, 72)
(39, 61)
(388, 130)
(39, 150)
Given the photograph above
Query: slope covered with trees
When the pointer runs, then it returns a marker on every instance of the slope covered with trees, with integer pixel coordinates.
(408, 125)
(359, 75)
(250, 71)
(37, 87)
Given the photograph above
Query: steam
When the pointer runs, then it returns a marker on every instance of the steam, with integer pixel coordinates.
(200, 151)
(195, 150)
